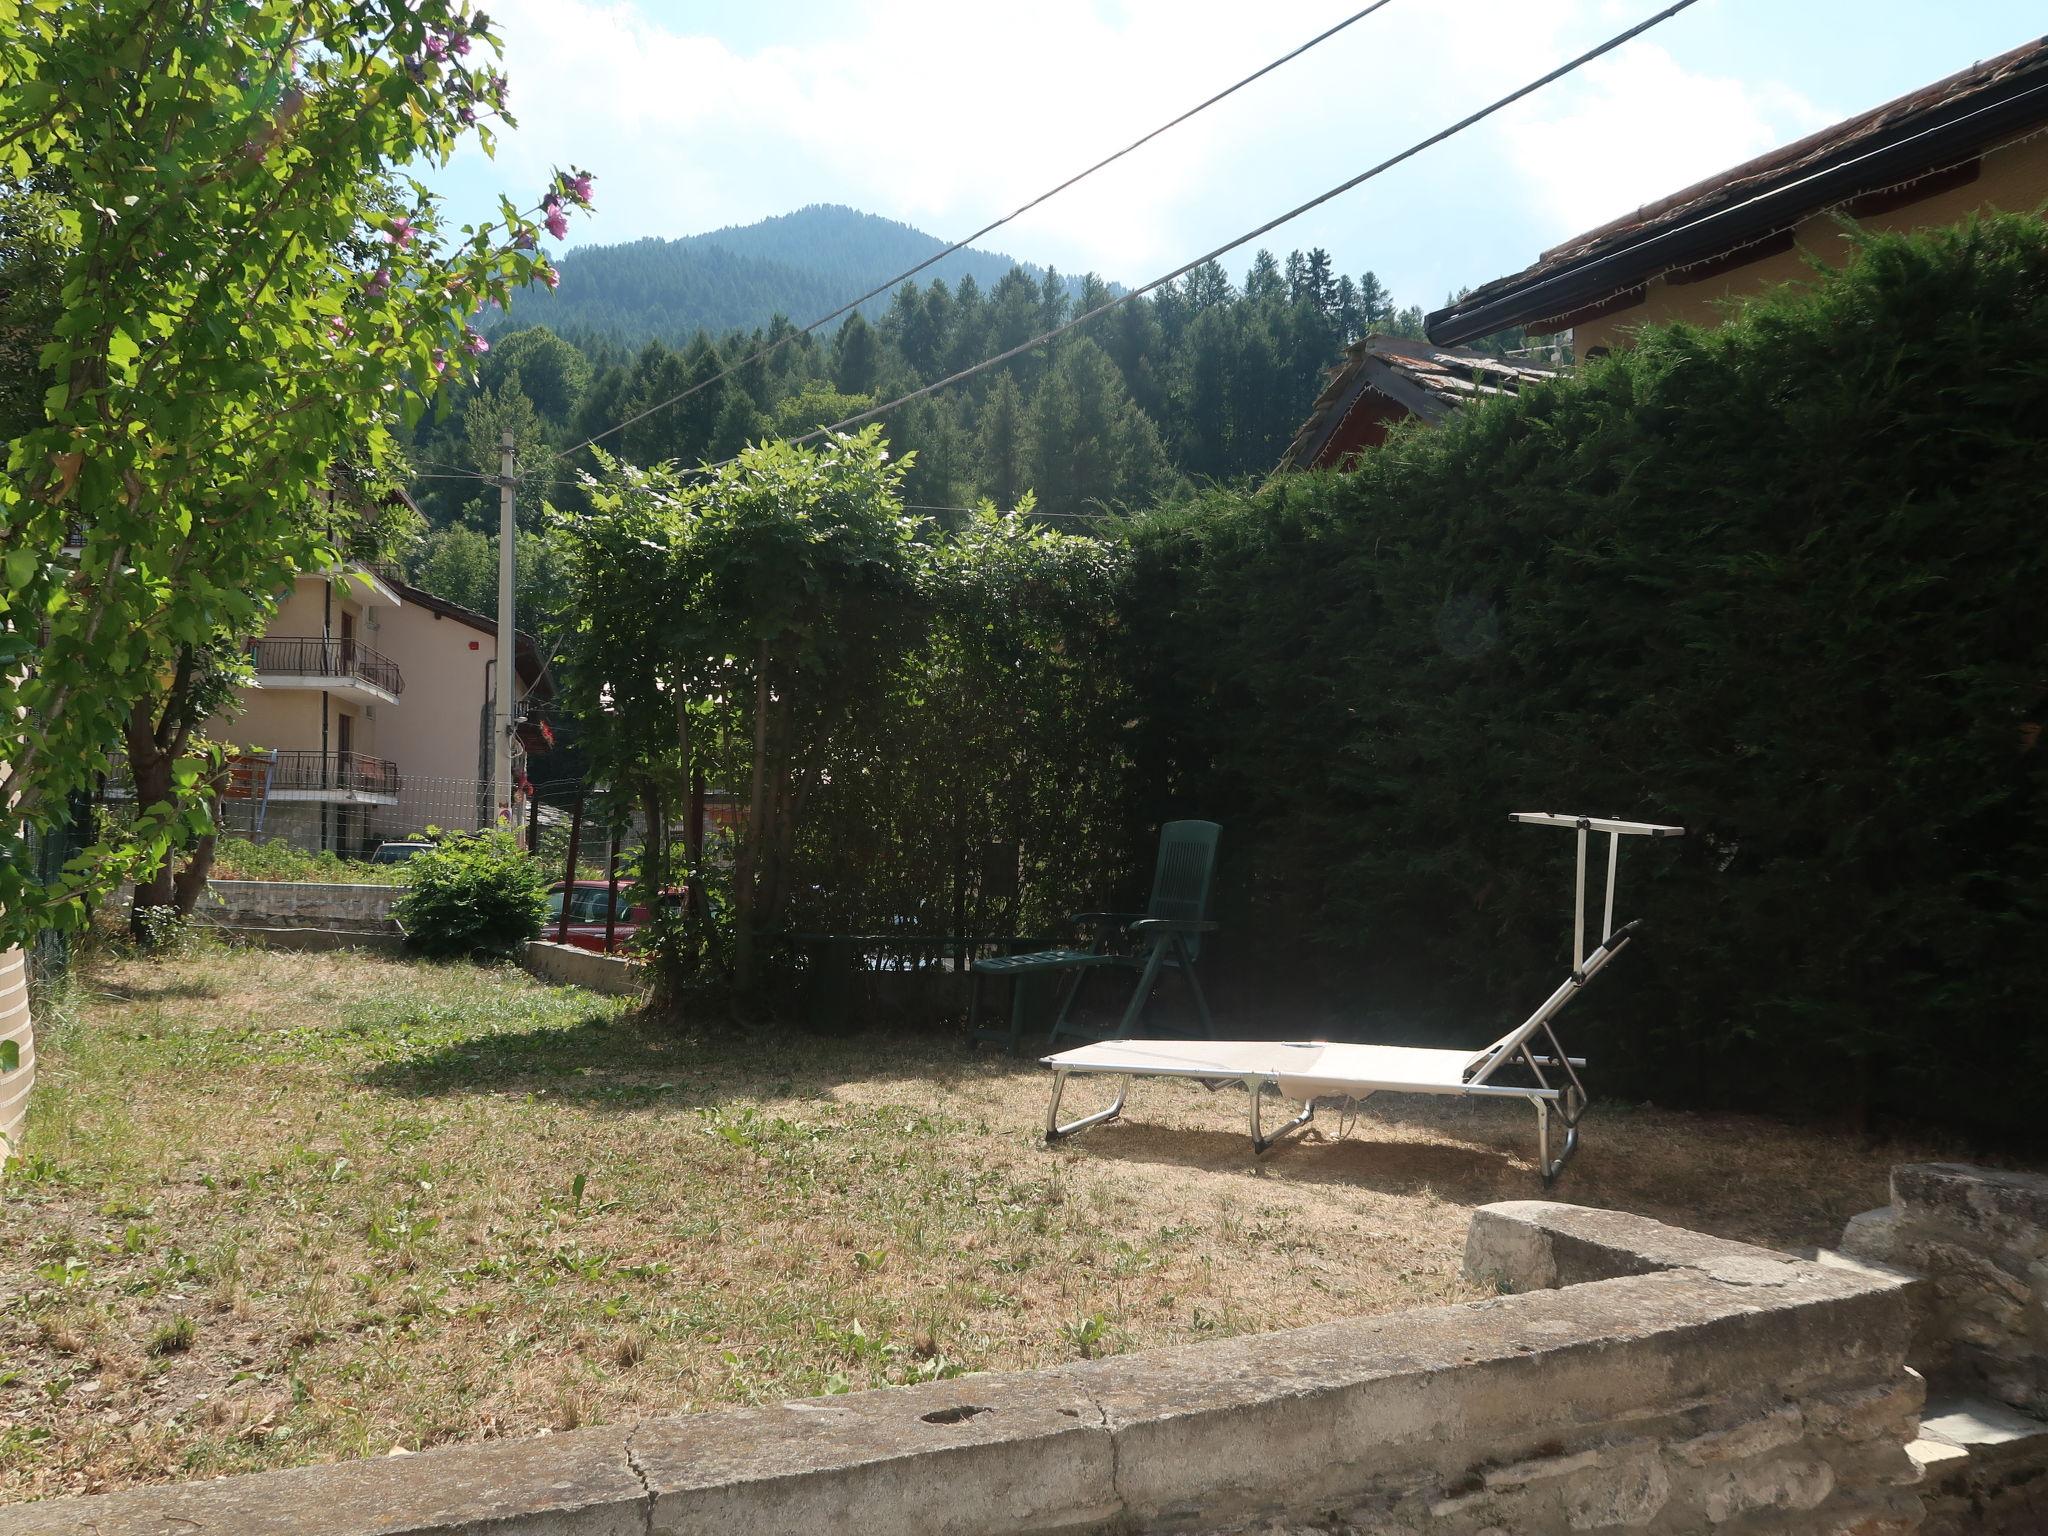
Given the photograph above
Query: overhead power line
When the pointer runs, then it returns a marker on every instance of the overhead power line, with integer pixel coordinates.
(1246, 238)
(966, 240)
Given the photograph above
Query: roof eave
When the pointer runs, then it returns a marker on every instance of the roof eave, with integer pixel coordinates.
(1914, 148)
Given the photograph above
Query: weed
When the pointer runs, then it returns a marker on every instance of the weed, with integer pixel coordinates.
(174, 1337)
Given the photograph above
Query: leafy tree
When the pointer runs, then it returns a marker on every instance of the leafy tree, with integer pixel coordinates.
(816, 405)
(243, 308)
(759, 605)
(552, 373)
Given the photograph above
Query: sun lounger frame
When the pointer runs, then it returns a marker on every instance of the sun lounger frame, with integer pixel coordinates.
(1565, 1099)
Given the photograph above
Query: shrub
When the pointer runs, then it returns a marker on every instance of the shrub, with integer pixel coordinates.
(472, 896)
(1779, 581)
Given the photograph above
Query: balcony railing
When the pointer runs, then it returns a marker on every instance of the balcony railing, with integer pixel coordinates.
(311, 656)
(355, 771)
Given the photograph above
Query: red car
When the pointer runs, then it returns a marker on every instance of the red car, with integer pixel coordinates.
(586, 914)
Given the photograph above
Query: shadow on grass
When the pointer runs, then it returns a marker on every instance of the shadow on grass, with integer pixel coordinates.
(627, 1062)
(161, 992)
(1459, 1173)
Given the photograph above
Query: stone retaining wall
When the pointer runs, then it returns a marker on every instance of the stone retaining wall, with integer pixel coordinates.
(1669, 1382)
(299, 904)
(1980, 1236)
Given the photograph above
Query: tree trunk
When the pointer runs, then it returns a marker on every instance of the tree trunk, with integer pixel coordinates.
(190, 883)
(755, 838)
(151, 767)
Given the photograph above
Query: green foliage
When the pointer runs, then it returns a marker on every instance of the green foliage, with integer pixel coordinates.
(1779, 582)
(912, 717)
(250, 289)
(472, 895)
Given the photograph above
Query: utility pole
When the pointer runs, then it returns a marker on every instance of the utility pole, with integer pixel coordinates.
(508, 638)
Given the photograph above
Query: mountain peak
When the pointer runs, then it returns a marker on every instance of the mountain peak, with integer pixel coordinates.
(801, 264)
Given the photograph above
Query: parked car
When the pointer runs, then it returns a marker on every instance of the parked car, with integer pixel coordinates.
(586, 914)
(397, 853)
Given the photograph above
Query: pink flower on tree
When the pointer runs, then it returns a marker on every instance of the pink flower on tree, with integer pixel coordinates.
(477, 345)
(437, 47)
(440, 361)
(557, 219)
(378, 285)
(400, 232)
(551, 277)
(578, 187)
(459, 42)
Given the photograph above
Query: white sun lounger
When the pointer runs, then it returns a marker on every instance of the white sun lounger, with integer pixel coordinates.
(1305, 1072)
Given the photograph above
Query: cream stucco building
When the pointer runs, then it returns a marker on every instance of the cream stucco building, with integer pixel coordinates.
(369, 716)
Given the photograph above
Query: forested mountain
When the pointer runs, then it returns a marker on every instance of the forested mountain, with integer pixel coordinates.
(803, 265)
(1206, 379)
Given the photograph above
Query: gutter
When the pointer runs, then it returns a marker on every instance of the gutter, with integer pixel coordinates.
(2020, 103)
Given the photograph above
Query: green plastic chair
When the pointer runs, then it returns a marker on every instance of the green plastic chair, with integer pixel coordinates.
(1166, 936)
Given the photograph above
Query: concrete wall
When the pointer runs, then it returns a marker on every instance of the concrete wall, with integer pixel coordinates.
(293, 904)
(568, 966)
(2014, 178)
(1673, 1383)
(15, 1026)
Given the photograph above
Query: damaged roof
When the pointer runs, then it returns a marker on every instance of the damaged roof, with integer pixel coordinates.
(1925, 133)
(1423, 380)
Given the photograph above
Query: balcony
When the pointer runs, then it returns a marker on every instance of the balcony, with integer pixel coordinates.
(334, 778)
(346, 667)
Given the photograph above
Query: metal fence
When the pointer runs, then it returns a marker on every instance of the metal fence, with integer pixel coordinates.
(314, 656)
(317, 804)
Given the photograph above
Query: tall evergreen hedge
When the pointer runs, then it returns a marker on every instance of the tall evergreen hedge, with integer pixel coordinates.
(1784, 582)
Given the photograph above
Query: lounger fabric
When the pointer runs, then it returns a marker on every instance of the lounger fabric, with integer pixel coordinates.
(1301, 1071)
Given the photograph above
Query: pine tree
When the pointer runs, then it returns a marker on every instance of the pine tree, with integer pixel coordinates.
(856, 357)
(1004, 444)
(1320, 292)
(1375, 304)
(1262, 279)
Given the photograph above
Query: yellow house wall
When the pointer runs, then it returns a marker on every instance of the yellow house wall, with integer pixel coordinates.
(432, 734)
(2013, 179)
(288, 719)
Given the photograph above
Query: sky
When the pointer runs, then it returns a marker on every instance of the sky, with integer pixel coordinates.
(695, 114)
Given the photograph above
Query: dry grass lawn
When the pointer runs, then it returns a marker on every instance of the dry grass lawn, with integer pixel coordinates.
(284, 1208)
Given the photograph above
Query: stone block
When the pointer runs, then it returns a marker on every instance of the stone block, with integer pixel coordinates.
(1012, 1453)
(1771, 1431)
(1626, 1492)
(2000, 1204)
(1795, 1483)
(1872, 1234)
(1889, 1411)
(565, 1485)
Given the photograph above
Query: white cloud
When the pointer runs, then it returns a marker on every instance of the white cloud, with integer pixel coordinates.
(947, 114)
(1642, 126)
